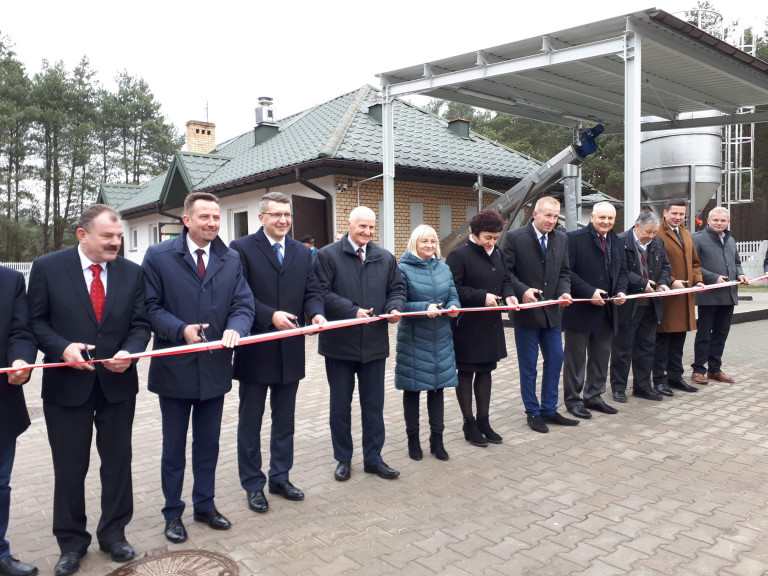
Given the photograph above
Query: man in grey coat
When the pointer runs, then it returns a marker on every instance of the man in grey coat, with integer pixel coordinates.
(720, 263)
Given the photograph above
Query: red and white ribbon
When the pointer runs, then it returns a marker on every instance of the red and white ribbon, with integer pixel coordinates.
(313, 328)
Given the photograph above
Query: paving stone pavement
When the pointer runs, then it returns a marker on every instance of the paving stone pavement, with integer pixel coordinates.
(674, 488)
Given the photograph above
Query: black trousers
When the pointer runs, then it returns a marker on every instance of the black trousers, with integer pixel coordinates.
(282, 400)
(714, 324)
(70, 431)
(435, 410)
(634, 345)
(668, 357)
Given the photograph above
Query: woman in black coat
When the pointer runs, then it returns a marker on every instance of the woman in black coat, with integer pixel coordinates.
(478, 337)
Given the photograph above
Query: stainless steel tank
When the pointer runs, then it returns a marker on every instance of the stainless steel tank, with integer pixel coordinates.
(668, 159)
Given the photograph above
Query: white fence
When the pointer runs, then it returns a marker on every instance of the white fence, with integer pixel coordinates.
(23, 267)
(752, 255)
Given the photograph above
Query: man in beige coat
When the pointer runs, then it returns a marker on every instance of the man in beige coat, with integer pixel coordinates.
(679, 314)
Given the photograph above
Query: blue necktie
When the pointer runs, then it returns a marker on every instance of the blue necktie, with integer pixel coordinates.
(544, 244)
(679, 237)
(278, 253)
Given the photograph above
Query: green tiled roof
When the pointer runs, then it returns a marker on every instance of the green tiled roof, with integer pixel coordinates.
(340, 129)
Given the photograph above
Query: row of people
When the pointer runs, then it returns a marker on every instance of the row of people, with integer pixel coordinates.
(194, 288)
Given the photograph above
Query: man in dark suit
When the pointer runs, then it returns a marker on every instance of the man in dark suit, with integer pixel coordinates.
(358, 279)
(17, 349)
(720, 262)
(634, 344)
(280, 273)
(598, 271)
(536, 257)
(85, 301)
(196, 292)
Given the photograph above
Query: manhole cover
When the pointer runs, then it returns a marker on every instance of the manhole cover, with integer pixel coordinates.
(180, 563)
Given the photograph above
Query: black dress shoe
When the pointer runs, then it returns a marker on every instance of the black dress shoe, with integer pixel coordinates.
(382, 471)
(343, 471)
(10, 566)
(537, 424)
(664, 390)
(559, 419)
(601, 406)
(648, 394)
(175, 531)
(213, 519)
(620, 397)
(68, 563)
(119, 551)
(684, 386)
(286, 490)
(257, 501)
(580, 412)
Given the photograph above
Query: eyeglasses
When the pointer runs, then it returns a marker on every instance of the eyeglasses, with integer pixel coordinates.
(279, 215)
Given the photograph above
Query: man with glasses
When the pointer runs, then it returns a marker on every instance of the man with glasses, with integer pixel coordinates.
(280, 273)
(196, 292)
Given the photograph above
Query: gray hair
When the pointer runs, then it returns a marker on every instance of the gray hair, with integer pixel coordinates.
(646, 217)
(278, 197)
(603, 204)
(720, 210)
(361, 211)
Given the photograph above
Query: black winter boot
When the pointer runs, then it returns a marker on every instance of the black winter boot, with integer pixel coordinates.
(472, 434)
(414, 448)
(485, 428)
(436, 446)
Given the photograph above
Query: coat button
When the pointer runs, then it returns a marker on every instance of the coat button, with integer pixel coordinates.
(493, 268)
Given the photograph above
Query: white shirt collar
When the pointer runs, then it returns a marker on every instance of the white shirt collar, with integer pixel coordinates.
(193, 248)
(85, 262)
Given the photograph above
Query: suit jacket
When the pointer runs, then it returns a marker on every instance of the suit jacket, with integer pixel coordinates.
(529, 268)
(717, 259)
(679, 313)
(177, 297)
(590, 271)
(658, 271)
(291, 287)
(348, 285)
(61, 313)
(16, 343)
(478, 337)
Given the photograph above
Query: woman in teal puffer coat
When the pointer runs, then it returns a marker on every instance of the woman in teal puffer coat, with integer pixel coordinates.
(425, 360)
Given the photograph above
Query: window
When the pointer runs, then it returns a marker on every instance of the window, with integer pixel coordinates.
(417, 215)
(239, 224)
(471, 211)
(153, 234)
(446, 227)
(133, 239)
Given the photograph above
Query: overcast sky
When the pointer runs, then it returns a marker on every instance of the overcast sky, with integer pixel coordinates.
(300, 53)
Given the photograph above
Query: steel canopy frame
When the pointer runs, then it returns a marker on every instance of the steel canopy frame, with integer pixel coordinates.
(615, 72)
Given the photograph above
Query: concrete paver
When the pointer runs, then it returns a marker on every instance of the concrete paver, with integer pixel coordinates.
(672, 487)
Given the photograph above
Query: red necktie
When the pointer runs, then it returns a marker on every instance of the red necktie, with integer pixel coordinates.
(200, 263)
(642, 260)
(360, 253)
(602, 242)
(97, 291)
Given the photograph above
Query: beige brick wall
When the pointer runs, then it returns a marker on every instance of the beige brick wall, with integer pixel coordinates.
(430, 195)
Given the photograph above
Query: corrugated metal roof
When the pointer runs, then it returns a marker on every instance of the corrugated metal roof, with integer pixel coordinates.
(683, 70)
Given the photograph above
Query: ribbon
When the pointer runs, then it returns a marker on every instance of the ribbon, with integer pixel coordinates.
(333, 325)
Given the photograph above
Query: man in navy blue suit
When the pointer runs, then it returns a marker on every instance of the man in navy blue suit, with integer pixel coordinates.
(536, 257)
(196, 292)
(84, 301)
(598, 271)
(17, 349)
(280, 272)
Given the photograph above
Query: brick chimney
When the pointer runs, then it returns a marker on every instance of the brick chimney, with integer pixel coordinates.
(201, 136)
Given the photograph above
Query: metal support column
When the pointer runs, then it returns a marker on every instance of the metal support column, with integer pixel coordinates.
(387, 219)
(632, 111)
(570, 180)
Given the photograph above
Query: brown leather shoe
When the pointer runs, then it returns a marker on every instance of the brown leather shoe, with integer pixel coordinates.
(698, 378)
(720, 377)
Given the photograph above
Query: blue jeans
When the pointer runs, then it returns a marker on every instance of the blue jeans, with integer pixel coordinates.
(7, 455)
(528, 341)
